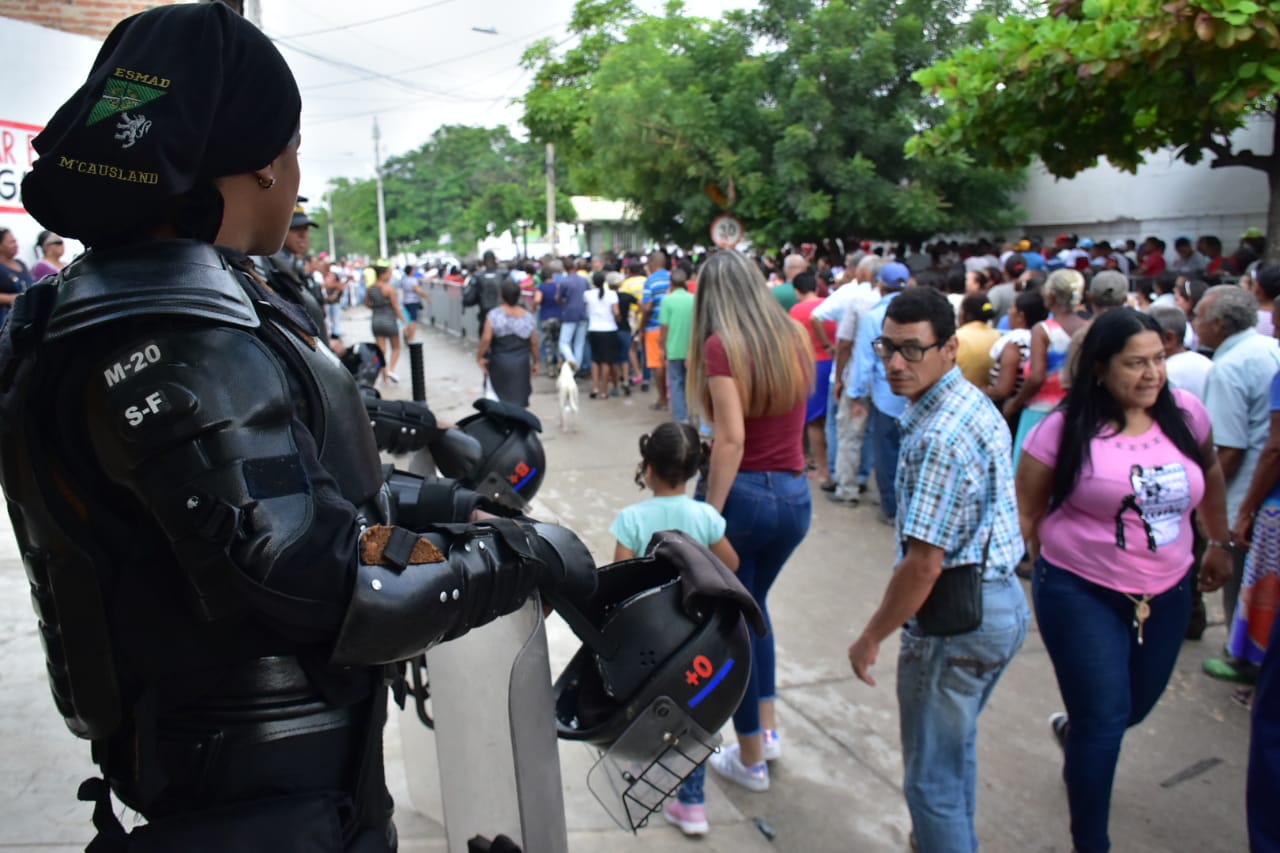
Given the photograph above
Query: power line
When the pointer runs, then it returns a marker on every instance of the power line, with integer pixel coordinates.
(376, 74)
(355, 24)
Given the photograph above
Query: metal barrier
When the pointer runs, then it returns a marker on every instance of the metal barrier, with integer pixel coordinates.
(443, 309)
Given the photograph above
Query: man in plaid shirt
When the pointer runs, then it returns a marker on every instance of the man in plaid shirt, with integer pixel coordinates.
(956, 507)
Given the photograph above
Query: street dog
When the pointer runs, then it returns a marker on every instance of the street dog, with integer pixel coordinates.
(567, 392)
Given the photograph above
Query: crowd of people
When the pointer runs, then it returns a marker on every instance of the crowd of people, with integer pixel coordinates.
(1097, 419)
(1109, 441)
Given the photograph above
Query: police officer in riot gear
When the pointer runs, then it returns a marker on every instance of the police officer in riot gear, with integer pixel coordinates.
(287, 272)
(485, 288)
(221, 569)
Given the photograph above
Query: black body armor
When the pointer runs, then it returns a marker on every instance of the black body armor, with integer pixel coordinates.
(203, 515)
(286, 275)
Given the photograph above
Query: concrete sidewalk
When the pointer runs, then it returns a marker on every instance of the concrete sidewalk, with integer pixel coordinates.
(1180, 785)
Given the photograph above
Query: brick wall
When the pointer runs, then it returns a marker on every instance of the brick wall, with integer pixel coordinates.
(93, 18)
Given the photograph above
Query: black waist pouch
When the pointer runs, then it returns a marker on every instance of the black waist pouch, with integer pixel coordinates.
(955, 604)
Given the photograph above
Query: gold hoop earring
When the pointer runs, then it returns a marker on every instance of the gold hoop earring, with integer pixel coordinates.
(267, 184)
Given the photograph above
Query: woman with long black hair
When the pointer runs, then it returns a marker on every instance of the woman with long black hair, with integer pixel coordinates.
(1106, 486)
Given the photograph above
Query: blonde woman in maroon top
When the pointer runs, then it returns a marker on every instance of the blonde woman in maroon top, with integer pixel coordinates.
(750, 370)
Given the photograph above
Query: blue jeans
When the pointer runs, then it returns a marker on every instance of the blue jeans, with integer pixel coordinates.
(833, 437)
(943, 684)
(885, 440)
(766, 516)
(573, 338)
(1264, 753)
(1108, 681)
(691, 790)
(675, 382)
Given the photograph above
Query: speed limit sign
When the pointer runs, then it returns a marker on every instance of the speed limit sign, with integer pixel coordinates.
(727, 231)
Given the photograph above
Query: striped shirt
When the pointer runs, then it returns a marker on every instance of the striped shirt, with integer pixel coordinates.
(955, 478)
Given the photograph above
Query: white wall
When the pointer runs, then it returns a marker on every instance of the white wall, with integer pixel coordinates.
(1166, 198)
(40, 68)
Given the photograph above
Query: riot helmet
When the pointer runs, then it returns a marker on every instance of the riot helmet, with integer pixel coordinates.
(512, 462)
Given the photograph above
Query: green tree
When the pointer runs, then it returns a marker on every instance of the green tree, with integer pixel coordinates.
(1115, 79)
(793, 118)
(463, 184)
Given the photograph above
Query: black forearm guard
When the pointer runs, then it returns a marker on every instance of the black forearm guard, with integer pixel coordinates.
(419, 502)
(412, 590)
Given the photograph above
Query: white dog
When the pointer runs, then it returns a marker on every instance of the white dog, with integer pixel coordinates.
(567, 391)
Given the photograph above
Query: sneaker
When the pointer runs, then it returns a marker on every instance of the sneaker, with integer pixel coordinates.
(772, 745)
(393, 377)
(1058, 725)
(828, 485)
(837, 498)
(691, 817)
(727, 764)
(886, 520)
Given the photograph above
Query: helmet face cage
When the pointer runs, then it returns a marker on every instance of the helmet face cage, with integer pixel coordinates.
(651, 685)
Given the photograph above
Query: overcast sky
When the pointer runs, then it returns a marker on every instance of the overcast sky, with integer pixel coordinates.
(413, 65)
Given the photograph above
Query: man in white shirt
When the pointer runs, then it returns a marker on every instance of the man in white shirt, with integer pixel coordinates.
(852, 470)
(1186, 369)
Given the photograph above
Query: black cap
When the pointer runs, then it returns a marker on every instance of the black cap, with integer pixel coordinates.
(300, 218)
(177, 96)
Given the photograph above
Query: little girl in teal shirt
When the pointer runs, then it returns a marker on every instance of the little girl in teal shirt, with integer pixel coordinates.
(669, 458)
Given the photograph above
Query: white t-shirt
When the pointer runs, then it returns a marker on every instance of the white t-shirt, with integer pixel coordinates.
(1189, 371)
(600, 311)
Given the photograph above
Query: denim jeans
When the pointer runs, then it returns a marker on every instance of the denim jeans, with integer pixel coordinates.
(549, 343)
(1108, 681)
(691, 791)
(886, 438)
(334, 310)
(943, 684)
(573, 338)
(833, 437)
(766, 516)
(675, 382)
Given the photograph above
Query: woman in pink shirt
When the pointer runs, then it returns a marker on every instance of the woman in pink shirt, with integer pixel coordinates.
(1106, 486)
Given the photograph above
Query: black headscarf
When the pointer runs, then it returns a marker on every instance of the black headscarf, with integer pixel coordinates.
(178, 95)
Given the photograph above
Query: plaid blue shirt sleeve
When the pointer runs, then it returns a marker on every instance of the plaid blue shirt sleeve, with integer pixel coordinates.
(940, 502)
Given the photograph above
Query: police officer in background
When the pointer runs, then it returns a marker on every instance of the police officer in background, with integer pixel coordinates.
(286, 271)
(485, 288)
(222, 571)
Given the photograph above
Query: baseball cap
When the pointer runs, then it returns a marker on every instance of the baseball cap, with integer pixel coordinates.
(894, 274)
(300, 218)
(1109, 289)
(1086, 243)
(1252, 234)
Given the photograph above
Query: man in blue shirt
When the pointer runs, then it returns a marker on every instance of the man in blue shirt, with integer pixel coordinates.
(655, 288)
(571, 294)
(958, 511)
(872, 397)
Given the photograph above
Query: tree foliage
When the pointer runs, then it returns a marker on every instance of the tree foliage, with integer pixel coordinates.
(463, 184)
(1114, 79)
(793, 118)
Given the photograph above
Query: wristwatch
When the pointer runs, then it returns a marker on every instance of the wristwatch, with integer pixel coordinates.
(1228, 546)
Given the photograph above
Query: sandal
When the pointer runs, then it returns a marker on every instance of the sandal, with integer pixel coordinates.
(660, 406)
(595, 395)
(1225, 670)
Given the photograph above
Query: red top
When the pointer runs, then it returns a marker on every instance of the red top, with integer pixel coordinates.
(773, 442)
(801, 312)
(1152, 264)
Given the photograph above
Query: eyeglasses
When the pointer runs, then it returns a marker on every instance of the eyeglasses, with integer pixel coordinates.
(885, 348)
(53, 242)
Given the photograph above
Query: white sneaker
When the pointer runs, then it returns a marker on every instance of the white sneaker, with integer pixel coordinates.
(728, 764)
(692, 819)
(393, 377)
(772, 745)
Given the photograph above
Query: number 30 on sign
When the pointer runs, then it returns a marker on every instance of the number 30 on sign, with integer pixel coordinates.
(727, 231)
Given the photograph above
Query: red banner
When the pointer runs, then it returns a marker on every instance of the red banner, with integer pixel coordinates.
(16, 157)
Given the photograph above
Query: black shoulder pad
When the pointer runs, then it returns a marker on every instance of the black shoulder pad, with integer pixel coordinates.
(174, 278)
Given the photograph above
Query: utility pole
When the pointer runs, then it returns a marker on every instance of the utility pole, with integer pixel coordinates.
(382, 205)
(551, 199)
(328, 200)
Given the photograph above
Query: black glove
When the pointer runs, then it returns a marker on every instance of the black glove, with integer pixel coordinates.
(401, 426)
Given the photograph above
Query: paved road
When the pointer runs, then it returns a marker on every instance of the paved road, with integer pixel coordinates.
(1180, 785)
